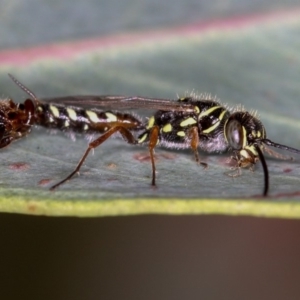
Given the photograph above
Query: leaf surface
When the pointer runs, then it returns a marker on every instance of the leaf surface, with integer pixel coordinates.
(251, 62)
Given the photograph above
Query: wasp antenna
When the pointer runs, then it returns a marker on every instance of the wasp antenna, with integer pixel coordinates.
(279, 146)
(265, 168)
(24, 88)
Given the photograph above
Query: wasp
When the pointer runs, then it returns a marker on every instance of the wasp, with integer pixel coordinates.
(189, 122)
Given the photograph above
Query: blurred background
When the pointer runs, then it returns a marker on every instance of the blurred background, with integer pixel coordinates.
(32, 22)
(149, 257)
(140, 257)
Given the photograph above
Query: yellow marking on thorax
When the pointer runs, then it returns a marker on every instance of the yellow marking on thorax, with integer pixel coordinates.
(181, 133)
(208, 112)
(54, 110)
(167, 128)
(151, 122)
(197, 109)
(222, 114)
(187, 122)
(111, 117)
(72, 114)
(67, 123)
(211, 128)
(92, 116)
(143, 138)
(85, 127)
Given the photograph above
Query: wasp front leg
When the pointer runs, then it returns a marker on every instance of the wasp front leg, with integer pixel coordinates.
(246, 161)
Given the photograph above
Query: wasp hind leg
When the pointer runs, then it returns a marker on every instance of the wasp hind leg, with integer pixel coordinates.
(127, 135)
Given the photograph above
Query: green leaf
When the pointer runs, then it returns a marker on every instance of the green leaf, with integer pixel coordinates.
(255, 64)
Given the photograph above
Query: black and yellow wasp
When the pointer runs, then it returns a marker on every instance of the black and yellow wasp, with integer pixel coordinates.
(189, 122)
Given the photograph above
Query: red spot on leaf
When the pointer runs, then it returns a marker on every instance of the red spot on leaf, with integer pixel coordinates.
(142, 157)
(44, 181)
(20, 166)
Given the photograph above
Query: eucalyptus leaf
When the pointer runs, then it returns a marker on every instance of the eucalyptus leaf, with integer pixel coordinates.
(256, 66)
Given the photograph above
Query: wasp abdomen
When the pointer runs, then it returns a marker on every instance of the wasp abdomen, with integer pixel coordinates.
(68, 118)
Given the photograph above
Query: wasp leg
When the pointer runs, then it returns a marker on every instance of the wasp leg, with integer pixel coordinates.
(153, 139)
(193, 134)
(127, 135)
(236, 170)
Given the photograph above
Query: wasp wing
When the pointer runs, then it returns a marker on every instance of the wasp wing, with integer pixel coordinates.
(122, 102)
(113, 102)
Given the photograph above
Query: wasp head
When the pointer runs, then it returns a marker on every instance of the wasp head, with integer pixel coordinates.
(244, 134)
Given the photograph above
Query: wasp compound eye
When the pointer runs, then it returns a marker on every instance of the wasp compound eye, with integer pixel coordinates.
(234, 134)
